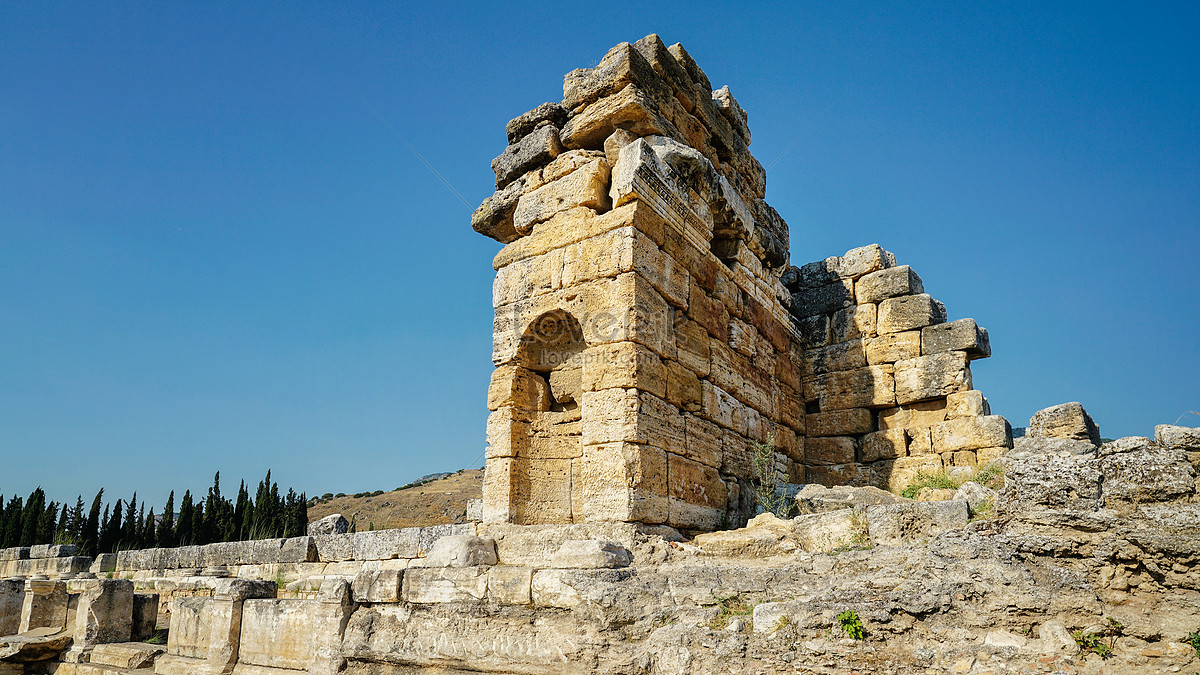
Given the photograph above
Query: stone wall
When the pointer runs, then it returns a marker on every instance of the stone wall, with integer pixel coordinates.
(650, 333)
(887, 381)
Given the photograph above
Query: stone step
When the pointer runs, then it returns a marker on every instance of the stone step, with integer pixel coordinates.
(126, 655)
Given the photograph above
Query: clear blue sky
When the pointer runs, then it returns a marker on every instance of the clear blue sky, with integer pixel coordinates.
(213, 256)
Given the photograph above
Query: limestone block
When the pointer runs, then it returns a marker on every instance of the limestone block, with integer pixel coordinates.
(986, 456)
(839, 423)
(507, 432)
(624, 481)
(683, 387)
(554, 588)
(962, 335)
(517, 387)
(703, 441)
(857, 321)
(546, 113)
(832, 450)
(334, 523)
(826, 531)
(732, 111)
(971, 433)
(905, 469)
(509, 585)
(736, 455)
(1177, 438)
(691, 341)
(932, 376)
(869, 387)
(45, 605)
(920, 441)
(894, 524)
(104, 611)
(532, 151)
(377, 585)
(842, 356)
(560, 166)
(883, 444)
(791, 409)
(888, 283)
(961, 458)
(277, 634)
(621, 66)
(967, 404)
(814, 331)
(929, 494)
(587, 186)
(145, 615)
(14, 553)
(590, 554)
(913, 415)
(445, 584)
(739, 376)
(627, 365)
(127, 655)
(12, 596)
(975, 495)
(627, 415)
(709, 313)
(864, 260)
(494, 217)
(909, 312)
(825, 299)
(893, 347)
(464, 550)
(814, 498)
(628, 108)
(1066, 420)
(668, 275)
(697, 495)
(52, 551)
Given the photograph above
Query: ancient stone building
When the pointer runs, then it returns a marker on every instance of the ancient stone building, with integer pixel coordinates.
(650, 332)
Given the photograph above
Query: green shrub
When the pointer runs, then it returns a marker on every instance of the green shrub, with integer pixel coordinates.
(991, 476)
(1194, 640)
(770, 498)
(851, 625)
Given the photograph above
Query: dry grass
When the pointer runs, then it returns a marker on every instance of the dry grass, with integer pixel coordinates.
(437, 502)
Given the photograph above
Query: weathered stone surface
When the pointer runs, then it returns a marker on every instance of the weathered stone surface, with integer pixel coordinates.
(825, 299)
(893, 347)
(590, 553)
(857, 321)
(909, 312)
(883, 444)
(494, 217)
(967, 404)
(813, 498)
(932, 494)
(104, 611)
(843, 356)
(892, 524)
(463, 550)
(129, 655)
(12, 596)
(587, 187)
(870, 387)
(832, 450)
(377, 586)
(334, 523)
(971, 433)
(33, 648)
(888, 283)
(905, 469)
(1144, 472)
(52, 551)
(535, 149)
(510, 585)
(929, 377)
(1030, 445)
(840, 423)
(14, 553)
(1046, 480)
(45, 605)
(1066, 420)
(976, 496)
(1177, 437)
(445, 584)
(962, 335)
(546, 113)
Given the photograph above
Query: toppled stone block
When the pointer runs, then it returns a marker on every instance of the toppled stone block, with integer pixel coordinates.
(127, 655)
(888, 283)
(1066, 420)
(892, 524)
(963, 335)
(1145, 472)
(334, 523)
(1050, 481)
(104, 611)
(462, 550)
(814, 498)
(34, 647)
(494, 217)
(589, 554)
(377, 586)
(909, 312)
(532, 151)
(103, 563)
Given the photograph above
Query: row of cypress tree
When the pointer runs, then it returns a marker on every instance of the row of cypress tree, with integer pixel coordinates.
(107, 528)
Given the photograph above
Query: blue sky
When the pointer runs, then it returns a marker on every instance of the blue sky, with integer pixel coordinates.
(214, 256)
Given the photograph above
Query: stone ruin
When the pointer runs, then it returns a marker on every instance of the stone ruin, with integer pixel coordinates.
(650, 338)
(650, 329)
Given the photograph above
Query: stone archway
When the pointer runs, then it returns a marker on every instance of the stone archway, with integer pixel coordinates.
(545, 471)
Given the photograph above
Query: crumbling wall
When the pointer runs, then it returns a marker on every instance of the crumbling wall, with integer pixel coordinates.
(887, 381)
(646, 343)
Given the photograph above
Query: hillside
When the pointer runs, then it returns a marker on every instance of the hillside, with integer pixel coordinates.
(434, 502)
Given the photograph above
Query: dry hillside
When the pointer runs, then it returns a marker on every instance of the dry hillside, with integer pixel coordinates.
(436, 502)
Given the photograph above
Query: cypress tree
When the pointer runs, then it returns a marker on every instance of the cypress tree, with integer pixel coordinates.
(31, 517)
(89, 537)
(166, 528)
(183, 530)
(148, 533)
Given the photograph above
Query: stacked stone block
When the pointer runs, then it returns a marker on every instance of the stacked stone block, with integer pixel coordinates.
(887, 381)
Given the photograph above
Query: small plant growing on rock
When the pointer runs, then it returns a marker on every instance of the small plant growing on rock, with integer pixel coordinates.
(851, 625)
(728, 607)
(770, 498)
(1095, 642)
(1194, 640)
